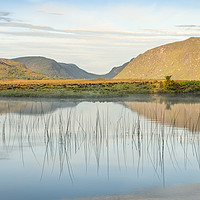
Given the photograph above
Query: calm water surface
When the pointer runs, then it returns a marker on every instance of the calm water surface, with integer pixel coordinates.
(59, 149)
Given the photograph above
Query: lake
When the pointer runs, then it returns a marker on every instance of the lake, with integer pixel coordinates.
(57, 149)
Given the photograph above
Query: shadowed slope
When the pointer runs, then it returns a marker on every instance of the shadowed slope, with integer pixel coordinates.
(115, 71)
(78, 73)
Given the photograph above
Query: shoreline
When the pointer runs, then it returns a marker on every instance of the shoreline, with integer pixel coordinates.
(94, 88)
(176, 192)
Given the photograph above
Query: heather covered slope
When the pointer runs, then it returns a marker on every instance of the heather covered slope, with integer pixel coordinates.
(43, 65)
(179, 59)
(16, 70)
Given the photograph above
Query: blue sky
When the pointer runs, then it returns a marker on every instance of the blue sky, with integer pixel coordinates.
(95, 35)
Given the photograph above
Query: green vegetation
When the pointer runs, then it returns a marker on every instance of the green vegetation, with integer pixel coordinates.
(182, 59)
(182, 87)
(96, 90)
(75, 90)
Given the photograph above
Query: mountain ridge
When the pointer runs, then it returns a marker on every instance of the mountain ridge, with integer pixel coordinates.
(53, 68)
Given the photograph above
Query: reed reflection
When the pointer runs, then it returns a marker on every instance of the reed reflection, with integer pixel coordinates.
(106, 137)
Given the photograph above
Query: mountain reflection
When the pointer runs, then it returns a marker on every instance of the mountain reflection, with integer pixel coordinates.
(28, 107)
(139, 138)
(182, 115)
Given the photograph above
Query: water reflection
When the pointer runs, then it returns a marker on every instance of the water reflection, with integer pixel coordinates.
(114, 148)
(183, 114)
(32, 107)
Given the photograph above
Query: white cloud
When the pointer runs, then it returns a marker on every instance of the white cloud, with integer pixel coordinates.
(3, 16)
(118, 17)
(4, 13)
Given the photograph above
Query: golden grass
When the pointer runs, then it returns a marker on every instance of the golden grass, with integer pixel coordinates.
(12, 82)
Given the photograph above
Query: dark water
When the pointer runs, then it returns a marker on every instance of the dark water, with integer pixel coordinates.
(58, 149)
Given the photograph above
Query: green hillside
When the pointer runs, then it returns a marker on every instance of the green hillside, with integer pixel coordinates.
(179, 59)
(16, 70)
(44, 66)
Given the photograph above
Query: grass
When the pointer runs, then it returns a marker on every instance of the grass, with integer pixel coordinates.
(93, 87)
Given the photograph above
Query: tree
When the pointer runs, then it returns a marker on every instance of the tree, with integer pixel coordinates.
(168, 78)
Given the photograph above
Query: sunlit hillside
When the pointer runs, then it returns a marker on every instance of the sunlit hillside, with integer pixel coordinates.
(179, 59)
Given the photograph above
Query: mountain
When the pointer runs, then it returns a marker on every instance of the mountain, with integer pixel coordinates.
(16, 70)
(115, 71)
(52, 68)
(78, 73)
(43, 65)
(179, 59)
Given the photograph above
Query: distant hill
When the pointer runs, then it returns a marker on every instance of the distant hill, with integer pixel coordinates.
(52, 68)
(179, 59)
(43, 65)
(115, 71)
(78, 73)
(16, 70)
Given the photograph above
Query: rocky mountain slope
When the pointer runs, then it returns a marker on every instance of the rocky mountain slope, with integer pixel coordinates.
(179, 59)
